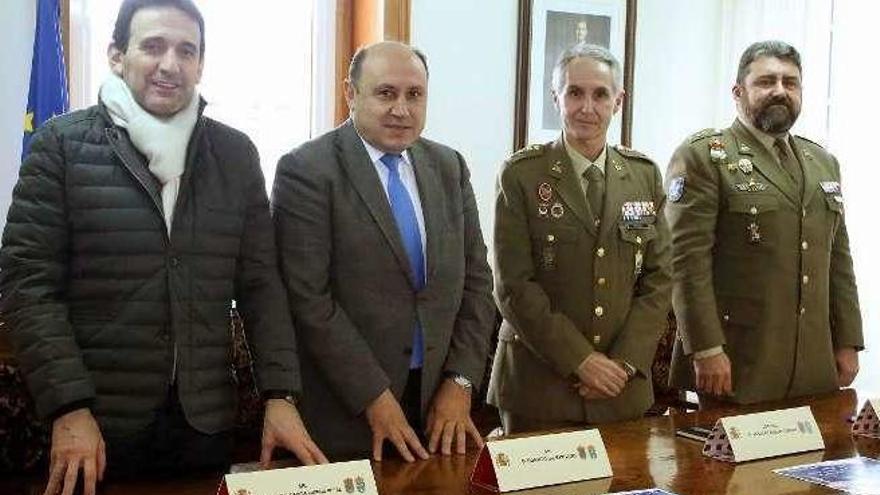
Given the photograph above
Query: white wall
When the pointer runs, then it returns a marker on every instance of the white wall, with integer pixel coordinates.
(852, 137)
(471, 50)
(17, 19)
(676, 74)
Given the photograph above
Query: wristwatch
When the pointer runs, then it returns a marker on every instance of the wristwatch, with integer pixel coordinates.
(284, 395)
(461, 380)
(630, 369)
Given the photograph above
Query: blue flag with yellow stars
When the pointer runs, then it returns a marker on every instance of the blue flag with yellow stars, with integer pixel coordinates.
(47, 96)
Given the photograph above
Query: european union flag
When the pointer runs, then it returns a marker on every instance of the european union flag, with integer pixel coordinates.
(47, 96)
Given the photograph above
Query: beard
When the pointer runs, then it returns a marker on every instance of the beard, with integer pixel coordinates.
(775, 115)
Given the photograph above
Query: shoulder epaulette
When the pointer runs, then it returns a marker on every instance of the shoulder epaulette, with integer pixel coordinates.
(631, 153)
(704, 134)
(808, 140)
(527, 152)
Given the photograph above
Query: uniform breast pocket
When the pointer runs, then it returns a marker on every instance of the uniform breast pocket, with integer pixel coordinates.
(554, 251)
(635, 241)
(752, 219)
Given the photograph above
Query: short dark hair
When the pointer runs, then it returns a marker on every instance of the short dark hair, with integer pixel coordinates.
(357, 61)
(769, 48)
(122, 29)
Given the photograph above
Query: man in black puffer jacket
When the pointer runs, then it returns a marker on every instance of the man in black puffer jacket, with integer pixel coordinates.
(133, 226)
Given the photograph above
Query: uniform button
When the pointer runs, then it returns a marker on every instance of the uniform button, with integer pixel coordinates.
(597, 339)
(726, 317)
(599, 311)
(600, 252)
(806, 279)
(551, 238)
(753, 210)
(597, 222)
(175, 261)
(516, 337)
(638, 239)
(803, 310)
(601, 281)
(805, 245)
(803, 212)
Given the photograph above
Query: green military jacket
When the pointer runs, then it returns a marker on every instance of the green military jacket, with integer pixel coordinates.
(760, 266)
(567, 287)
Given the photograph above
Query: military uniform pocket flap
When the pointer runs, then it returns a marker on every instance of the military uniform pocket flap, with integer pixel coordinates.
(642, 235)
(834, 202)
(551, 234)
(752, 203)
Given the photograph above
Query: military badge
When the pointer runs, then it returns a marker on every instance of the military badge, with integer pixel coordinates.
(716, 151)
(676, 189)
(830, 187)
(545, 192)
(754, 231)
(543, 210)
(548, 258)
(745, 165)
(556, 167)
(751, 186)
(638, 214)
(557, 210)
(744, 148)
(731, 167)
(639, 261)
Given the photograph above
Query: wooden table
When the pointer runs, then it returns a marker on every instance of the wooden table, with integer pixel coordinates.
(644, 454)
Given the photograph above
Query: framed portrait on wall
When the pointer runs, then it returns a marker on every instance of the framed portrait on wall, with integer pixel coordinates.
(546, 29)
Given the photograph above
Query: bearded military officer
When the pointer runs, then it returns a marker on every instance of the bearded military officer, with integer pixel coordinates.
(582, 276)
(764, 290)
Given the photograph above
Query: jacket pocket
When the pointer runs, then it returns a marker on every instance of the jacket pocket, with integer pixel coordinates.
(554, 251)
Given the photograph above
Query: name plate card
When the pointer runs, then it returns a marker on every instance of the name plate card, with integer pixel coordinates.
(520, 463)
(766, 434)
(867, 423)
(355, 477)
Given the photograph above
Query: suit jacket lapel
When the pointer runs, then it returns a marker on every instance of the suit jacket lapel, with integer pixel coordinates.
(750, 148)
(430, 193)
(811, 171)
(616, 187)
(568, 184)
(362, 174)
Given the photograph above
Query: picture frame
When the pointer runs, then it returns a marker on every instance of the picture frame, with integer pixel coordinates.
(548, 27)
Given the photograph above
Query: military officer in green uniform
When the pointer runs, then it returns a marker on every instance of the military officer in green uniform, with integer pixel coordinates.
(582, 263)
(764, 291)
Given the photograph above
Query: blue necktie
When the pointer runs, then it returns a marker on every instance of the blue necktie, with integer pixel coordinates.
(408, 226)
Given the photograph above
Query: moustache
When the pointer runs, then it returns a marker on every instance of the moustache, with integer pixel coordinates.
(778, 100)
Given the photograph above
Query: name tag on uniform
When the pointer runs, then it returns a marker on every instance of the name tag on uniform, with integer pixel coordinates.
(339, 477)
(521, 463)
(867, 423)
(766, 434)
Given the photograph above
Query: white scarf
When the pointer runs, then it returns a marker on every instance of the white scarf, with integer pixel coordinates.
(162, 140)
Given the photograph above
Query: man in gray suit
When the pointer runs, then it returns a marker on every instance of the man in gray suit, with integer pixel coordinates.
(386, 270)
